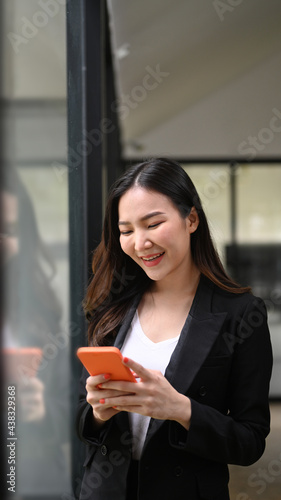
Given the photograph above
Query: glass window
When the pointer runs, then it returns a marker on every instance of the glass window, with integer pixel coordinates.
(259, 239)
(255, 258)
(34, 203)
(212, 183)
(258, 204)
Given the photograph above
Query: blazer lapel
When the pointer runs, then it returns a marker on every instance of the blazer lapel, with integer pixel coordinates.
(198, 335)
(197, 338)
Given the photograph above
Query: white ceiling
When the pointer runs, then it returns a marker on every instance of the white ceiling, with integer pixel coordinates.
(219, 81)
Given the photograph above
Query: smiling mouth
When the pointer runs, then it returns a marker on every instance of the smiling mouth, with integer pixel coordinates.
(154, 257)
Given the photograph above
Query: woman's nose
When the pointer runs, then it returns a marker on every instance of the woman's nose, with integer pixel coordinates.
(142, 242)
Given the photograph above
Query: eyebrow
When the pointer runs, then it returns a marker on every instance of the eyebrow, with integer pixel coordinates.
(145, 217)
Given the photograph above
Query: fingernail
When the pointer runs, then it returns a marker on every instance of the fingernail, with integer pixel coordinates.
(102, 401)
(107, 376)
(99, 386)
(114, 407)
(125, 360)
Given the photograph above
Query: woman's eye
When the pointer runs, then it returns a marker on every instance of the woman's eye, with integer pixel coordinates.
(155, 225)
(125, 232)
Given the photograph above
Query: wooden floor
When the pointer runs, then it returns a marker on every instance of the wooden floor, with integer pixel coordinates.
(261, 481)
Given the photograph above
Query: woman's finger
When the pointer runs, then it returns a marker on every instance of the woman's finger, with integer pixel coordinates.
(139, 370)
(94, 397)
(92, 382)
(104, 393)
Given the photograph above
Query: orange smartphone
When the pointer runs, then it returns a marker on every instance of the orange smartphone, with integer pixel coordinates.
(99, 360)
(21, 362)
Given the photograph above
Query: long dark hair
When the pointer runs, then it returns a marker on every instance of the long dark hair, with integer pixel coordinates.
(116, 277)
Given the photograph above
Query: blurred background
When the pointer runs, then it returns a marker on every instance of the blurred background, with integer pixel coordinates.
(88, 88)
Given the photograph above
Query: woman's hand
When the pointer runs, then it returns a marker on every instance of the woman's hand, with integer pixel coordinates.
(152, 396)
(31, 400)
(96, 396)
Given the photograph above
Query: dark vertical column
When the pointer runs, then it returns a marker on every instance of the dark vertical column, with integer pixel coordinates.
(232, 249)
(233, 202)
(93, 125)
(85, 27)
(93, 163)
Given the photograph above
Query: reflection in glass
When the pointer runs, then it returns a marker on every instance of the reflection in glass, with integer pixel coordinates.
(35, 349)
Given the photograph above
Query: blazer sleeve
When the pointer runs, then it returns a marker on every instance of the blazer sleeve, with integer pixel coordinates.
(237, 437)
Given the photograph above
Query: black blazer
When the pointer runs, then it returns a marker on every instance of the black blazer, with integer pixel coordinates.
(223, 363)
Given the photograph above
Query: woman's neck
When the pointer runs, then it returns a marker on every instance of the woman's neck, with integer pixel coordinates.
(176, 289)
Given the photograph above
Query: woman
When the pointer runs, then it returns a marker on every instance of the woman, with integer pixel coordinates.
(32, 314)
(198, 343)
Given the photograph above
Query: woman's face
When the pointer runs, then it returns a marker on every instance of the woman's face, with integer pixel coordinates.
(154, 235)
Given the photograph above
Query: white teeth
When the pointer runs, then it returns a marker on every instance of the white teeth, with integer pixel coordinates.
(152, 258)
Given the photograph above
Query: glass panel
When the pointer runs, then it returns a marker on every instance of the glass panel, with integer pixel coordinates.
(259, 237)
(258, 204)
(212, 184)
(36, 319)
(34, 203)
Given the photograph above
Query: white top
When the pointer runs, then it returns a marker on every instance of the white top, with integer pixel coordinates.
(152, 355)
